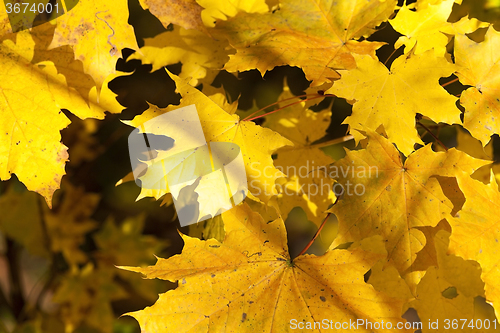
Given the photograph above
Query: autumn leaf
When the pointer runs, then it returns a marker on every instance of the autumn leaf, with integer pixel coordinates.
(448, 290)
(479, 67)
(317, 36)
(21, 220)
(249, 282)
(473, 147)
(201, 55)
(30, 145)
(307, 185)
(98, 32)
(256, 143)
(125, 243)
(68, 225)
(184, 13)
(392, 97)
(475, 232)
(427, 27)
(85, 296)
(384, 196)
(221, 10)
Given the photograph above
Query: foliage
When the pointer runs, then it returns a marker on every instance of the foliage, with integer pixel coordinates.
(399, 227)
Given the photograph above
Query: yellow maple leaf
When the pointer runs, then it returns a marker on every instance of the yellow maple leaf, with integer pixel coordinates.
(21, 220)
(476, 233)
(426, 26)
(221, 10)
(393, 97)
(471, 146)
(85, 295)
(33, 94)
(67, 225)
(447, 291)
(184, 13)
(249, 283)
(201, 55)
(256, 143)
(98, 32)
(308, 185)
(479, 67)
(317, 36)
(384, 196)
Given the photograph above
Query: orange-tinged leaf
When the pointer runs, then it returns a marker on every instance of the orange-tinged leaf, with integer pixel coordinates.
(476, 232)
(384, 196)
(185, 13)
(393, 97)
(479, 67)
(249, 282)
(98, 32)
(317, 36)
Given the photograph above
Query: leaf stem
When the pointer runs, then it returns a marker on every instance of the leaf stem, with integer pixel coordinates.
(16, 294)
(390, 55)
(277, 102)
(433, 135)
(4, 303)
(283, 107)
(321, 144)
(450, 82)
(315, 235)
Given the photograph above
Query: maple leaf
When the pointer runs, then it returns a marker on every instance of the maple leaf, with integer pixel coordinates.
(317, 36)
(20, 220)
(384, 196)
(214, 9)
(426, 27)
(125, 243)
(448, 290)
(473, 147)
(201, 56)
(68, 224)
(479, 67)
(307, 184)
(184, 13)
(85, 296)
(393, 97)
(98, 32)
(30, 145)
(256, 143)
(63, 230)
(476, 233)
(63, 58)
(249, 282)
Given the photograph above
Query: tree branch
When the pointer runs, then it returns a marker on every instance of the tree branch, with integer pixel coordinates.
(16, 293)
